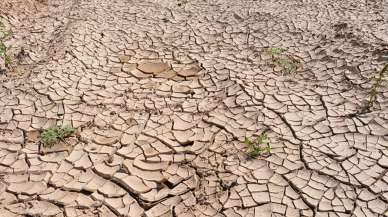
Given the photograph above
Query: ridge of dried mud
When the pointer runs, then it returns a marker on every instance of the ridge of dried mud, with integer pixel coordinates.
(163, 94)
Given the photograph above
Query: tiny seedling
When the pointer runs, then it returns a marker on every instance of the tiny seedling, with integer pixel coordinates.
(5, 33)
(4, 50)
(376, 86)
(288, 64)
(4, 54)
(54, 134)
(254, 146)
(276, 50)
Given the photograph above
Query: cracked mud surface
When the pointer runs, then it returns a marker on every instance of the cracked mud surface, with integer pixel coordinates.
(163, 94)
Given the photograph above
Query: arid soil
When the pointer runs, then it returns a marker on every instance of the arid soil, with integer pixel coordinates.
(163, 94)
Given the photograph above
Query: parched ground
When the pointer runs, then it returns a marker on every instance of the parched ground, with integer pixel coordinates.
(163, 94)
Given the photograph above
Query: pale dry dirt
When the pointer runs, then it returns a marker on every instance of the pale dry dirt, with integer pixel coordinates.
(163, 94)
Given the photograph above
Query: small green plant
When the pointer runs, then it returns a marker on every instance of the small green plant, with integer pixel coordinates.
(276, 50)
(54, 134)
(4, 50)
(376, 86)
(254, 145)
(288, 64)
(4, 54)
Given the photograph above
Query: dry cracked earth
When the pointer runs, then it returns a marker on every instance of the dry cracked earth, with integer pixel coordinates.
(163, 94)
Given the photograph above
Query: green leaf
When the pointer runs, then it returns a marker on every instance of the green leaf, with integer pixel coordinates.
(54, 134)
(262, 138)
(276, 50)
(247, 141)
(3, 48)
